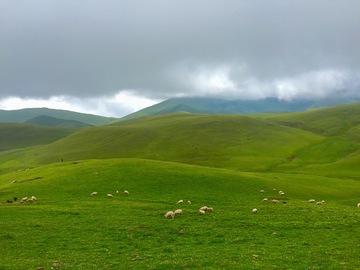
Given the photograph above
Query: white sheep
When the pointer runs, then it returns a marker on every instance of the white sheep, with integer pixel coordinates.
(262, 191)
(358, 205)
(281, 193)
(109, 195)
(33, 198)
(311, 200)
(201, 212)
(94, 193)
(169, 214)
(254, 210)
(210, 209)
(189, 202)
(126, 192)
(178, 212)
(204, 208)
(265, 199)
(318, 203)
(275, 201)
(180, 201)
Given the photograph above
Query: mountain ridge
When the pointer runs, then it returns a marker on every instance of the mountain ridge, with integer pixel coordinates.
(220, 106)
(23, 115)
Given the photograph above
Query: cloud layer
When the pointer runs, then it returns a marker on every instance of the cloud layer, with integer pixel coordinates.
(92, 50)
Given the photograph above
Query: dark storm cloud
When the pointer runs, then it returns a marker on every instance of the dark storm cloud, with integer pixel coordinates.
(159, 49)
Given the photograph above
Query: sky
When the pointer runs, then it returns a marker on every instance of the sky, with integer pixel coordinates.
(114, 57)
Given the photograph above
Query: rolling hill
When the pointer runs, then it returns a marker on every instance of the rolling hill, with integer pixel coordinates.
(227, 141)
(229, 162)
(200, 105)
(43, 120)
(23, 115)
(280, 142)
(14, 136)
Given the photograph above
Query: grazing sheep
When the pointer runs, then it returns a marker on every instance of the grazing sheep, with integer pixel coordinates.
(169, 214)
(201, 212)
(189, 202)
(318, 203)
(180, 201)
(274, 189)
(9, 201)
(109, 195)
(210, 209)
(358, 205)
(24, 199)
(254, 210)
(265, 199)
(275, 201)
(94, 193)
(33, 198)
(204, 208)
(126, 192)
(178, 212)
(262, 191)
(311, 200)
(15, 199)
(281, 193)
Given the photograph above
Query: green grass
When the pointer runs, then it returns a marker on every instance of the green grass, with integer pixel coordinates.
(67, 225)
(14, 136)
(221, 161)
(224, 141)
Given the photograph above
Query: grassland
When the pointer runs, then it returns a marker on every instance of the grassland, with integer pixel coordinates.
(218, 161)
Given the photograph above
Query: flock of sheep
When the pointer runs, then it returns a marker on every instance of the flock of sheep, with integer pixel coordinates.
(23, 200)
(281, 193)
(202, 210)
(109, 195)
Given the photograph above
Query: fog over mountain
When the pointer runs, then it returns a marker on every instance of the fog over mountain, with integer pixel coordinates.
(115, 57)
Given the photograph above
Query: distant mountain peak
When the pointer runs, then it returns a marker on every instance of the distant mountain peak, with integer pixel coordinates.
(205, 105)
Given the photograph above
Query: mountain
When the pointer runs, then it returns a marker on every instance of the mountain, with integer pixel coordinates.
(254, 142)
(219, 106)
(23, 115)
(44, 120)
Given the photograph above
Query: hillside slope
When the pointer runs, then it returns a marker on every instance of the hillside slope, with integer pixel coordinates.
(219, 106)
(14, 136)
(130, 232)
(312, 141)
(229, 141)
(20, 116)
(340, 126)
(44, 120)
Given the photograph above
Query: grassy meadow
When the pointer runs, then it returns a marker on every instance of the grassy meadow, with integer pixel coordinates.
(218, 161)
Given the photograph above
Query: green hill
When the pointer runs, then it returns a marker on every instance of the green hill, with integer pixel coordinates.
(228, 162)
(277, 142)
(23, 115)
(80, 231)
(218, 106)
(14, 136)
(43, 120)
(228, 141)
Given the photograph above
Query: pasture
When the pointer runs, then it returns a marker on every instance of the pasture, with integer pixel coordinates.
(79, 231)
